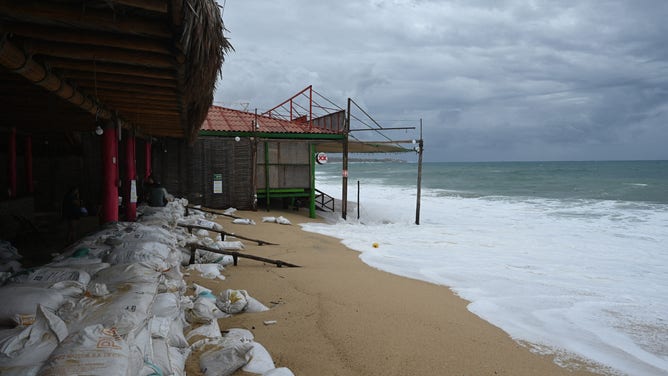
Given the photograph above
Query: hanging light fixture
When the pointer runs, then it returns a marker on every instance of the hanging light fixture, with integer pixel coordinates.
(99, 130)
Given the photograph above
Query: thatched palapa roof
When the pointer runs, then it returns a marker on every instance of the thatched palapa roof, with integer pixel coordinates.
(151, 64)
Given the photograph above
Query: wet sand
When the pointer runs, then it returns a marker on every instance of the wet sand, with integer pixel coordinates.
(336, 315)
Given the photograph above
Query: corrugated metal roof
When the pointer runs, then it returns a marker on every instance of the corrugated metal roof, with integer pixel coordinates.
(223, 119)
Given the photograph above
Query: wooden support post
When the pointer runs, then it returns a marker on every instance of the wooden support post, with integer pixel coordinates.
(235, 255)
(225, 233)
(213, 212)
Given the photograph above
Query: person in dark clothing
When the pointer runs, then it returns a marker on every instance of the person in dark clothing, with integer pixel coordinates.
(157, 194)
(72, 212)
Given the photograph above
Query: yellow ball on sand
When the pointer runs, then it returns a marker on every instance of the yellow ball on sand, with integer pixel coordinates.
(375, 245)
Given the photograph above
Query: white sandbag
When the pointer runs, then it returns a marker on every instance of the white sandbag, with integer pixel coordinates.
(12, 266)
(243, 221)
(21, 347)
(47, 276)
(281, 371)
(89, 265)
(232, 301)
(159, 327)
(123, 274)
(95, 350)
(235, 301)
(283, 221)
(126, 310)
(260, 360)
(224, 361)
(177, 358)
(200, 289)
(97, 289)
(209, 224)
(254, 305)
(144, 234)
(4, 276)
(201, 233)
(167, 305)
(211, 330)
(229, 245)
(23, 300)
(8, 251)
(238, 335)
(176, 337)
(230, 211)
(210, 271)
(269, 219)
(203, 312)
(150, 252)
(30, 370)
(160, 356)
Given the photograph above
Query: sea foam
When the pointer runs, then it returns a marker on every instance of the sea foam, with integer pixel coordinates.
(574, 278)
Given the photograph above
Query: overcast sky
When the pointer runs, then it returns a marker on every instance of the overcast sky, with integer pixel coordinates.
(493, 80)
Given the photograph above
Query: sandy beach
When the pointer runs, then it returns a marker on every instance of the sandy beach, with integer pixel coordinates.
(336, 315)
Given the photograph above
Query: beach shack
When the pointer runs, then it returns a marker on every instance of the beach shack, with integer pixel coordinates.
(91, 93)
(259, 159)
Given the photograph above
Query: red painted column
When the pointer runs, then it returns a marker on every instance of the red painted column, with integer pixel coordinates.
(130, 191)
(27, 157)
(147, 152)
(109, 175)
(11, 164)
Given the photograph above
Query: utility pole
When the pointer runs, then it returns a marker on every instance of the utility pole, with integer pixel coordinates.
(419, 177)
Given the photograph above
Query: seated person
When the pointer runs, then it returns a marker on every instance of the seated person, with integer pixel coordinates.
(157, 194)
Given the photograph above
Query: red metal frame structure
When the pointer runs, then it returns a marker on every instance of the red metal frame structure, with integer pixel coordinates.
(305, 109)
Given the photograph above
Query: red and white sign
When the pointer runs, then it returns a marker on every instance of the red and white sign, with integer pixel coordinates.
(321, 158)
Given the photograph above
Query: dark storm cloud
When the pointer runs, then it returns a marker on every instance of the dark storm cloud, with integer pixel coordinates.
(492, 80)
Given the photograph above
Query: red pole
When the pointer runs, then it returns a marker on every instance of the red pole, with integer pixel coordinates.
(109, 174)
(310, 106)
(28, 162)
(147, 152)
(11, 164)
(130, 194)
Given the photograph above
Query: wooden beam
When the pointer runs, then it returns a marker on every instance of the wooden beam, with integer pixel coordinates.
(235, 255)
(81, 17)
(92, 38)
(190, 227)
(141, 103)
(128, 88)
(145, 110)
(152, 5)
(101, 54)
(15, 60)
(118, 78)
(111, 68)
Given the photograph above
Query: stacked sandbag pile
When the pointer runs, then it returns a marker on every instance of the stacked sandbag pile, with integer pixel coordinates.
(115, 303)
(9, 260)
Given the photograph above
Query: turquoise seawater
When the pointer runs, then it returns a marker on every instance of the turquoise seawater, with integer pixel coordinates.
(637, 181)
